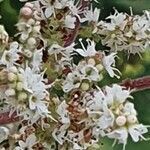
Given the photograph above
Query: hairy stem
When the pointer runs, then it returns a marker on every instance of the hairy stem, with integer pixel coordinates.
(137, 84)
(6, 118)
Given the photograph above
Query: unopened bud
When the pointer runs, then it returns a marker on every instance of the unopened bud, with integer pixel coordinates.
(26, 12)
(20, 77)
(85, 86)
(121, 121)
(132, 119)
(91, 61)
(10, 92)
(22, 96)
(12, 77)
(19, 86)
(99, 67)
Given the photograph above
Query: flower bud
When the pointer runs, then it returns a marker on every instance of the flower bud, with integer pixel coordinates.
(121, 121)
(99, 67)
(26, 12)
(20, 77)
(91, 61)
(19, 86)
(12, 77)
(85, 86)
(10, 92)
(131, 119)
(22, 96)
(31, 42)
(113, 36)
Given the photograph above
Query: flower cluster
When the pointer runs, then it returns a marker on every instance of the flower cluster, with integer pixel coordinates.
(98, 113)
(52, 100)
(122, 32)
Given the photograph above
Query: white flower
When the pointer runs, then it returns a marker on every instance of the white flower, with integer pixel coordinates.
(91, 16)
(24, 30)
(89, 51)
(59, 133)
(65, 51)
(89, 72)
(50, 8)
(136, 132)
(72, 81)
(70, 22)
(109, 64)
(75, 8)
(129, 109)
(106, 120)
(37, 60)
(118, 19)
(95, 102)
(116, 94)
(63, 113)
(33, 84)
(40, 106)
(120, 134)
(10, 57)
(4, 133)
(28, 144)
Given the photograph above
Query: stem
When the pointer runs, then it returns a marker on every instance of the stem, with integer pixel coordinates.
(6, 118)
(137, 84)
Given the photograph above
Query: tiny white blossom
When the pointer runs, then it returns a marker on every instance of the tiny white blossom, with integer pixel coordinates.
(91, 16)
(4, 133)
(109, 65)
(90, 72)
(72, 81)
(37, 60)
(116, 94)
(28, 144)
(63, 113)
(89, 51)
(136, 132)
(10, 57)
(70, 22)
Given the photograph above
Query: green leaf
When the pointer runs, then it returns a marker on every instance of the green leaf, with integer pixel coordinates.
(9, 17)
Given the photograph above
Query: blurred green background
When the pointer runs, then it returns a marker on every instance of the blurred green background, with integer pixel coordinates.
(132, 68)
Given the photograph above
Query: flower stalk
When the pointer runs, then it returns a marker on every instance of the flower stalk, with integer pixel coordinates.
(137, 84)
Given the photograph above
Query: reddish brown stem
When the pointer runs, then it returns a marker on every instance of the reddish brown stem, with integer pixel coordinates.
(137, 84)
(5, 118)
